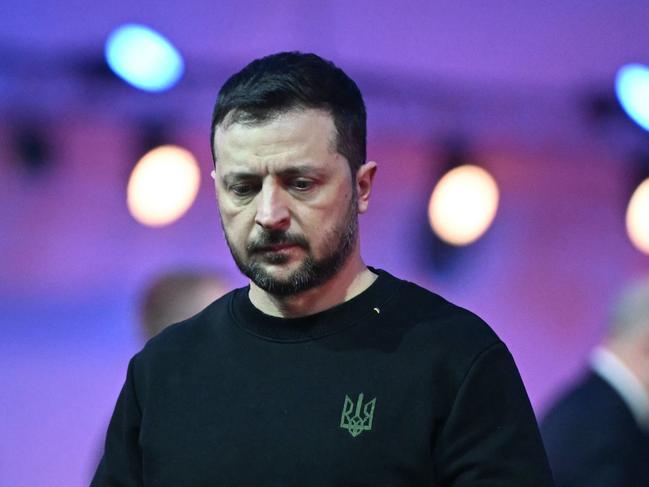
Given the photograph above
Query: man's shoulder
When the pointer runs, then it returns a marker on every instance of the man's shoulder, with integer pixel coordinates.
(437, 321)
(586, 424)
(427, 308)
(591, 414)
(588, 400)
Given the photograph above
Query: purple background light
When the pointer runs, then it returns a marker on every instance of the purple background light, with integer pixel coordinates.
(510, 79)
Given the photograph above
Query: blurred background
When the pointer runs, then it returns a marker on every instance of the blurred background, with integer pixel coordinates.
(524, 90)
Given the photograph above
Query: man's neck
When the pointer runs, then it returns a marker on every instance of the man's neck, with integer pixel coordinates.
(350, 281)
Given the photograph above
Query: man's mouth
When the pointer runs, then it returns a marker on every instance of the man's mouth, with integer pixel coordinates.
(277, 247)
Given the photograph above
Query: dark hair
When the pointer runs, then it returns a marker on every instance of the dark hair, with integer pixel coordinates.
(291, 80)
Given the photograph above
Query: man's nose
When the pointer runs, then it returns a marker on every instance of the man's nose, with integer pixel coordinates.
(272, 209)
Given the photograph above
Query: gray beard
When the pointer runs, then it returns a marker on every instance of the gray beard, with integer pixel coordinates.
(339, 244)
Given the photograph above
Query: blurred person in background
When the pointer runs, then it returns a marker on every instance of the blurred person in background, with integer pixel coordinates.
(323, 371)
(597, 433)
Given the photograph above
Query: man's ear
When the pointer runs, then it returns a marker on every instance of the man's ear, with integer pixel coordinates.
(216, 185)
(364, 181)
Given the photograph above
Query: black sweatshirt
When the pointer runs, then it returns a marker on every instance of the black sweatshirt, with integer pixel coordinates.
(395, 387)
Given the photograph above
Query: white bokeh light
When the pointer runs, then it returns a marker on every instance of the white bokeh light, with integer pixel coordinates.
(637, 217)
(163, 185)
(463, 205)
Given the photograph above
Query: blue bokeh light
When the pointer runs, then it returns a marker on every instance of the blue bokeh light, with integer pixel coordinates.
(143, 58)
(632, 89)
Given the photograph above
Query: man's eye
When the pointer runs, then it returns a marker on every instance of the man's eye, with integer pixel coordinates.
(302, 184)
(242, 189)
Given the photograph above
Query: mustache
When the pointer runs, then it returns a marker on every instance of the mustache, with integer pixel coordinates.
(276, 237)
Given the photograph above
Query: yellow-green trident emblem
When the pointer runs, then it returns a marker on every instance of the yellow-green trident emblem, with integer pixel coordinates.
(357, 419)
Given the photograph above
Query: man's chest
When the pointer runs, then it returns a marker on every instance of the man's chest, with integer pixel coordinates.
(311, 424)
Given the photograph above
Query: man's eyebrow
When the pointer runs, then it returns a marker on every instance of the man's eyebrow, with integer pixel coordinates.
(293, 171)
(238, 176)
(301, 170)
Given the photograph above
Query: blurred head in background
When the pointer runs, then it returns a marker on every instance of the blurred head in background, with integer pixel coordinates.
(178, 295)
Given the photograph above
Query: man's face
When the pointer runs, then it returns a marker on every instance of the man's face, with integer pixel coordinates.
(286, 200)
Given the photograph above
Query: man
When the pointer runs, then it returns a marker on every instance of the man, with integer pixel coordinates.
(323, 371)
(597, 434)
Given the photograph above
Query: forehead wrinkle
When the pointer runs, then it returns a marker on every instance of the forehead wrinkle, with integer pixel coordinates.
(280, 133)
(247, 152)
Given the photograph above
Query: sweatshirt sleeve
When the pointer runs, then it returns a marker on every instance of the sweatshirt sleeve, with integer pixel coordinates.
(121, 463)
(491, 437)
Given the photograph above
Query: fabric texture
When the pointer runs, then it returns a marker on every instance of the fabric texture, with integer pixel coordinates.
(593, 440)
(395, 387)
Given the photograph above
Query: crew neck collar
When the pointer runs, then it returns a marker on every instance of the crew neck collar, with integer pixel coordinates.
(318, 325)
